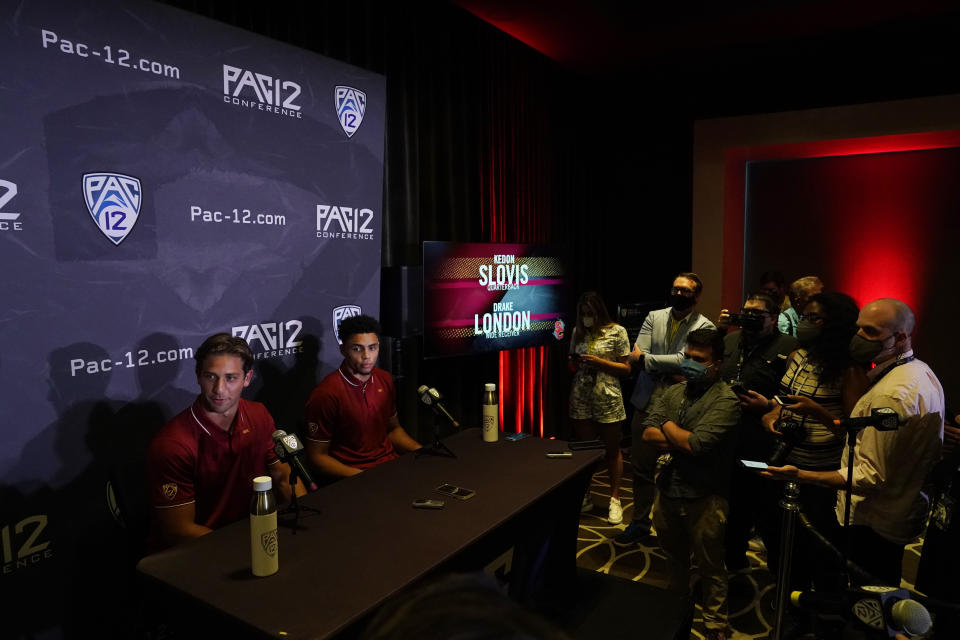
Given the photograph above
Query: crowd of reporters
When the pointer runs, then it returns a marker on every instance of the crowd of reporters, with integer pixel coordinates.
(776, 382)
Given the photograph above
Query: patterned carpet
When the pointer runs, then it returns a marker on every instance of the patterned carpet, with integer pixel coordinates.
(752, 590)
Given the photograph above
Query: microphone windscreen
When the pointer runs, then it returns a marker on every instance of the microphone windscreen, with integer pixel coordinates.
(911, 616)
(279, 433)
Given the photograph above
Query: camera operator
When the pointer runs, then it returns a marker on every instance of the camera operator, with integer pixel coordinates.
(754, 359)
(822, 384)
(888, 508)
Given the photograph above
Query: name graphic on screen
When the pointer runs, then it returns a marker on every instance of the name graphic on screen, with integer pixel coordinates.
(490, 297)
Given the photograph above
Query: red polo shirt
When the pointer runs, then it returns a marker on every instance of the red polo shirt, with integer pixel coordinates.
(193, 460)
(354, 417)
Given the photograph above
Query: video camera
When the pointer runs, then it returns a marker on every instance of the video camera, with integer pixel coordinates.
(746, 321)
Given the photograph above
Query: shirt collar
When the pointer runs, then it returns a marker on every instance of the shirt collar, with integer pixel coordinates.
(200, 418)
(883, 366)
(351, 379)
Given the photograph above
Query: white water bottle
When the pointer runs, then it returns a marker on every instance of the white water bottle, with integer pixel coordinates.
(264, 556)
(491, 413)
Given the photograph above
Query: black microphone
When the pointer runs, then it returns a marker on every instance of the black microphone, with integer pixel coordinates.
(881, 609)
(288, 448)
(882, 419)
(431, 397)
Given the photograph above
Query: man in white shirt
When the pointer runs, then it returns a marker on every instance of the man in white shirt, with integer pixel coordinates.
(888, 507)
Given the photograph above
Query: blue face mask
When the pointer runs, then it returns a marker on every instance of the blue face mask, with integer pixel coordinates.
(693, 370)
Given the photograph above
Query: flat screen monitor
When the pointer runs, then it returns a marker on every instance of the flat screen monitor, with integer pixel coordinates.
(482, 297)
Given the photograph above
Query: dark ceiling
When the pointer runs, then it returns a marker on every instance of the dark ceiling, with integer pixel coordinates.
(600, 35)
(710, 59)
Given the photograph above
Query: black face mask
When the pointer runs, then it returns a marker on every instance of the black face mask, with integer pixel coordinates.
(681, 302)
(808, 333)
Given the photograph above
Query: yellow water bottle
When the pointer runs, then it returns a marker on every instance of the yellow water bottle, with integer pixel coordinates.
(264, 556)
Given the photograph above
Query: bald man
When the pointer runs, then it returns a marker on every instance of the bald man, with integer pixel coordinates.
(889, 467)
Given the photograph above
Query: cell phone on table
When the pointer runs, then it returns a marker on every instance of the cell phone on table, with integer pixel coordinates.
(753, 464)
(513, 437)
(454, 491)
(782, 400)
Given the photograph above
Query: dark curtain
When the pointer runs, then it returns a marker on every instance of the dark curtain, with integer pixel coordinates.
(481, 146)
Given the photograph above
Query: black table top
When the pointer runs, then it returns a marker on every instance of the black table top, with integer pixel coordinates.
(367, 542)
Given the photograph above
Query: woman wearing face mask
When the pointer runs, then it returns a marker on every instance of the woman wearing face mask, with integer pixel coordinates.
(598, 356)
(822, 383)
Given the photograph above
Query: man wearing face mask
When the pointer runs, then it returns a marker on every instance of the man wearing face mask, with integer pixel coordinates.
(888, 508)
(656, 357)
(696, 422)
(754, 359)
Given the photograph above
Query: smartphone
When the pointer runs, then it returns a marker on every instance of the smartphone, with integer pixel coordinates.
(427, 503)
(753, 464)
(782, 400)
(581, 445)
(560, 454)
(513, 437)
(739, 388)
(454, 491)
(574, 356)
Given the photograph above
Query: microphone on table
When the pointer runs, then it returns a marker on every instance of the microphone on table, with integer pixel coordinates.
(431, 397)
(288, 448)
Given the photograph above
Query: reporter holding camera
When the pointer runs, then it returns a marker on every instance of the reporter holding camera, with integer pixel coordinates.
(888, 506)
(754, 359)
(598, 356)
(822, 383)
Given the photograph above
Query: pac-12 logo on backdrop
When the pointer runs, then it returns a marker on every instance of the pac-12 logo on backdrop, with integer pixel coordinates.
(351, 105)
(113, 200)
(8, 219)
(342, 313)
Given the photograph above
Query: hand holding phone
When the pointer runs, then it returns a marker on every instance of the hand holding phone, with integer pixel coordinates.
(753, 464)
(782, 400)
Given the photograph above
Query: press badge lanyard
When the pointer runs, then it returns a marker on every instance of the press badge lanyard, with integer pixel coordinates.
(896, 364)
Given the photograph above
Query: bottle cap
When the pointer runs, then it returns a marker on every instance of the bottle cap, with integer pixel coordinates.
(262, 483)
(489, 387)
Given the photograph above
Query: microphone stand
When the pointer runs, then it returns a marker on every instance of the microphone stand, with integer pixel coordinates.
(294, 506)
(848, 490)
(791, 507)
(438, 448)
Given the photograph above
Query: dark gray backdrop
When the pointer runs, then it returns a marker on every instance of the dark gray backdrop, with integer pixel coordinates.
(96, 336)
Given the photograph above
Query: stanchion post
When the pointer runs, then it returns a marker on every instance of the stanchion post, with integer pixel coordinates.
(790, 505)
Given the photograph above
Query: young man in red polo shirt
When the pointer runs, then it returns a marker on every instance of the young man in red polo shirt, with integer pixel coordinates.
(352, 420)
(201, 464)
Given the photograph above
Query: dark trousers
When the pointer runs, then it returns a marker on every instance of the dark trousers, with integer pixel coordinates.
(643, 459)
(812, 565)
(875, 554)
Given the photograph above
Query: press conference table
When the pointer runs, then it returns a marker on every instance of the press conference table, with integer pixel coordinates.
(367, 543)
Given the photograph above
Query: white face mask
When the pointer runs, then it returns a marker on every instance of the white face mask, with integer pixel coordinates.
(588, 321)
